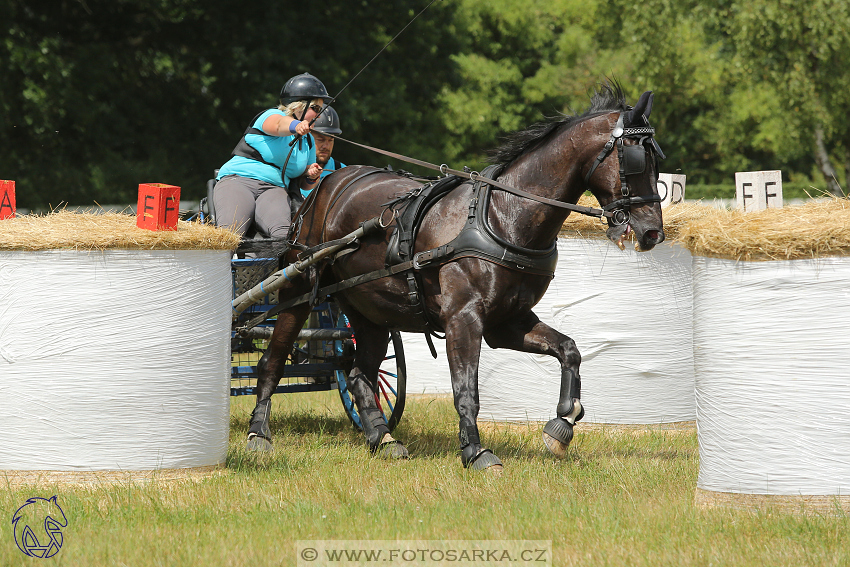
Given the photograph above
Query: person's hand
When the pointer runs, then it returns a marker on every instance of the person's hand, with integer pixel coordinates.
(303, 128)
(313, 173)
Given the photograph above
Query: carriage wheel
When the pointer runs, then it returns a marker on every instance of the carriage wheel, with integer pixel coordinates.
(392, 381)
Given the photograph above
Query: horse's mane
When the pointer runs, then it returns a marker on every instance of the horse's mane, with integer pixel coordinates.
(608, 97)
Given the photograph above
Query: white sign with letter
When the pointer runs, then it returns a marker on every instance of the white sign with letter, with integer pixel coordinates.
(758, 190)
(671, 188)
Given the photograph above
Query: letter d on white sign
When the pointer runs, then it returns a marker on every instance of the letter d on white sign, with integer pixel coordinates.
(671, 188)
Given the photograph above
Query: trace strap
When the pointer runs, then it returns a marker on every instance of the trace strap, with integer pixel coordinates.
(416, 263)
(475, 176)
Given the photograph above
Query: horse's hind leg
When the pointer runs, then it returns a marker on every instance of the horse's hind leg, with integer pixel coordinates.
(529, 334)
(269, 372)
(372, 342)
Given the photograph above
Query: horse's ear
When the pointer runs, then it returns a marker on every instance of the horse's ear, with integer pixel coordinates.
(642, 108)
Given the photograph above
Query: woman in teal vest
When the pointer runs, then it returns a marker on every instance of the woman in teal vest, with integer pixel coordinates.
(251, 186)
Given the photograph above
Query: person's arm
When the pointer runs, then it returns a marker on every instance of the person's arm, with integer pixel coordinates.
(311, 177)
(280, 125)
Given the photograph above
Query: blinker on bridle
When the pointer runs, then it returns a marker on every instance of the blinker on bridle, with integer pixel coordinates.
(632, 161)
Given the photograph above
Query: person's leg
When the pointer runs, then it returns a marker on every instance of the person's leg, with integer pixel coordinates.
(273, 214)
(234, 202)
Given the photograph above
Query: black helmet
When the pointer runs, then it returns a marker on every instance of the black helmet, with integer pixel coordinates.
(328, 122)
(303, 87)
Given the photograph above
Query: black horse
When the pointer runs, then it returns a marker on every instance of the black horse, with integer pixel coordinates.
(469, 294)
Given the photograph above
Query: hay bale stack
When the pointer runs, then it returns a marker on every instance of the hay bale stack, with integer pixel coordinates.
(771, 304)
(676, 218)
(816, 229)
(114, 349)
(63, 230)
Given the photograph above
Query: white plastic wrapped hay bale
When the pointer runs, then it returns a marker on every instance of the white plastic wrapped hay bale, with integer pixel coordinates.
(425, 374)
(114, 349)
(630, 315)
(771, 305)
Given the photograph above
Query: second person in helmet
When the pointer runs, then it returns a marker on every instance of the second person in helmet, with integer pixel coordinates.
(327, 124)
(251, 186)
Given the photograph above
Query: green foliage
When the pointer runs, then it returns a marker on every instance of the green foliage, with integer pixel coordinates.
(519, 62)
(101, 95)
(795, 57)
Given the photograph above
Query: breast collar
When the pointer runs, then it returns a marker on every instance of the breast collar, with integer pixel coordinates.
(478, 240)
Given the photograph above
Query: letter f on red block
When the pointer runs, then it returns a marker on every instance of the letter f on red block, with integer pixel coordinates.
(158, 207)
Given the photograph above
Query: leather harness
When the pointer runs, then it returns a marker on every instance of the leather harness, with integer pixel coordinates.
(475, 240)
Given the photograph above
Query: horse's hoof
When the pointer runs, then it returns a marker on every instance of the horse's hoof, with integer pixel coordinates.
(557, 436)
(257, 443)
(486, 460)
(392, 450)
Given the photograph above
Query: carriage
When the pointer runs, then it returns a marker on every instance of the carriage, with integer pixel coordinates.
(324, 352)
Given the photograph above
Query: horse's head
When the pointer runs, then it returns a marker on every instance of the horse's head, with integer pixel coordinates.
(624, 175)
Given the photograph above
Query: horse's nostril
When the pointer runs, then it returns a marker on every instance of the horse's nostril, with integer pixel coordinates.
(652, 235)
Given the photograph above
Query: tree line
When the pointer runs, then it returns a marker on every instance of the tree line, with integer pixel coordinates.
(97, 96)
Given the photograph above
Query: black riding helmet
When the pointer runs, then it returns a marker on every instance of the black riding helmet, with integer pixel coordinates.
(328, 122)
(303, 87)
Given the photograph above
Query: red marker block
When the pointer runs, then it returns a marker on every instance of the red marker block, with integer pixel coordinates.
(7, 199)
(158, 207)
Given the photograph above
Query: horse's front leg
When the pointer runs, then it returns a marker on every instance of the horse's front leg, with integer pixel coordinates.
(269, 372)
(529, 334)
(464, 329)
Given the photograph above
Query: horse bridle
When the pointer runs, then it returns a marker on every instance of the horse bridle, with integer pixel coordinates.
(632, 161)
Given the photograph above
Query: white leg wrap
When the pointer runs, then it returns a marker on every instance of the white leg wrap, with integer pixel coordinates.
(571, 417)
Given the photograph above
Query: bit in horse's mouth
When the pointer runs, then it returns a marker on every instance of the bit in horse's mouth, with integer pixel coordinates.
(620, 233)
(617, 234)
(625, 234)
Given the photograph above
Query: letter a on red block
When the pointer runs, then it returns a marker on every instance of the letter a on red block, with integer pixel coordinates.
(158, 207)
(7, 199)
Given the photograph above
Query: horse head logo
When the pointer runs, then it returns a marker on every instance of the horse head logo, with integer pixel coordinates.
(48, 519)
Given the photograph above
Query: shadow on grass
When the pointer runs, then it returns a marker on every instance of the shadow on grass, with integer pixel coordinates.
(296, 423)
(438, 444)
(529, 445)
(307, 423)
(428, 430)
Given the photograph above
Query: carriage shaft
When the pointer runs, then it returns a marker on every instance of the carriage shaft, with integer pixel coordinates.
(303, 335)
(279, 278)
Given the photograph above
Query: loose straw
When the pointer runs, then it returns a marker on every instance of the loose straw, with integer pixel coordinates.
(815, 229)
(676, 217)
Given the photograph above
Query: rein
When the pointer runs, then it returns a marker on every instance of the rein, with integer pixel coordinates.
(476, 176)
(334, 99)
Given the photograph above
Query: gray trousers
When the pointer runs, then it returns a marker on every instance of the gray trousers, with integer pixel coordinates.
(239, 201)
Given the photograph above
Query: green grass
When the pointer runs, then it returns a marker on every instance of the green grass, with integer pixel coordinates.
(621, 498)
